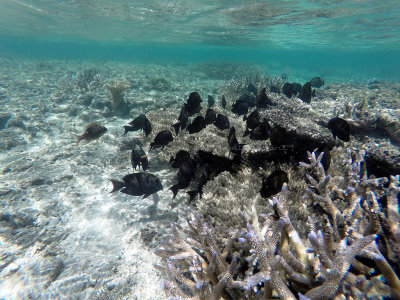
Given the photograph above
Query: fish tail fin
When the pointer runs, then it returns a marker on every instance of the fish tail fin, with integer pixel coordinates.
(117, 185)
(151, 146)
(192, 195)
(78, 137)
(246, 132)
(171, 160)
(126, 129)
(177, 126)
(174, 190)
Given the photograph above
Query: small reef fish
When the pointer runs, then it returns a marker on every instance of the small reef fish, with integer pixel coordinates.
(262, 100)
(197, 125)
(251, 88)
(317, 82)
(273, 183)
(306, 93)
(249, 99)
(287, 89)
(296, 88)
(240, 108)
(252, 121)
(180, 157)
(139, 158)
(233, 143)
(210, 116)
(139, 123)
(222, 122)
(92, 132)
(185, 174)
(162, 139)
(182, 120)
(223, 102)
(211, 101)
(261, 132)
(193, 103)
(138, 184)
(340, 128)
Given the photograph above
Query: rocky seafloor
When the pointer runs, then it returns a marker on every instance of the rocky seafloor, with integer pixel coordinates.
(63, 235)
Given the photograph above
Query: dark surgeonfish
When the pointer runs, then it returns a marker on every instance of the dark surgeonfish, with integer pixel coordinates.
(185, 174)
(193, 103)
(262, 100)
(197, 125)
(139, 123)
(92, 132)
(180, 157)
(317, 82)
(162, 139)
(287, 89)
(139, 158)
(249, 99)
(233, 143)
(182, 120)
(240, 108)
(211, 101)
(296, 88)
(273, 183)
(340, 128)
(223, 102)
(210, 116)
(261, 132)
(222, 122)
(306, 93)
(138, 184)
(252, 121)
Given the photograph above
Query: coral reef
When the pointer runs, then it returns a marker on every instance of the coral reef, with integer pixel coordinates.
(351, 251)
(116, 88)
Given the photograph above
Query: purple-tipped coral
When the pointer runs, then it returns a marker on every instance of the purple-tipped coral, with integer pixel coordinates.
(353, 252)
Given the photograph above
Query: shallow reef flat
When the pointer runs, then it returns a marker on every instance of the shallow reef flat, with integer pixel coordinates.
(62, 233)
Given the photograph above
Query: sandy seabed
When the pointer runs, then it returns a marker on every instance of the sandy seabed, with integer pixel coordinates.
(62, 234)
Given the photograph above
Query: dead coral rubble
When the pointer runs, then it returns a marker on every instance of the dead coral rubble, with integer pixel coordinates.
(355, 253)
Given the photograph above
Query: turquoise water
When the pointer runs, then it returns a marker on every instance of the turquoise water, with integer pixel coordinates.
(346, 40)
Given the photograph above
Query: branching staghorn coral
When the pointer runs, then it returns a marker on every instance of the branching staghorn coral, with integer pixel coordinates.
(116, 88)
(270, 259)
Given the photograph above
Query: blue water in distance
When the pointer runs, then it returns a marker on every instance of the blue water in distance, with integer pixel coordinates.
(347, 40)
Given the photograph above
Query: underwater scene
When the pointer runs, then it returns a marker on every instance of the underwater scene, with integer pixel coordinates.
(203, 150)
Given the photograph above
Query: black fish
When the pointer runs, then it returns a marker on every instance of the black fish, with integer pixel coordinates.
(287, 90)
(139, 158)
(240, 108)
(138, 184)
(222, 122)
(233, 143)
(262, 100)
(193, 103)
(296, 88)
(305, 94)
(180, 157)
(252, 121)
(249, 99)
(185, 174)
(182, 120)
(147, 127)
(251, 88)
(339, 128)
(210, 116)
(211, 101)
(273, 183)
(92, 132)
(223, 101)
(197, 125)
(317, 82)
(139, 123)
(278, 136)
(261, 132)
(162, 139)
